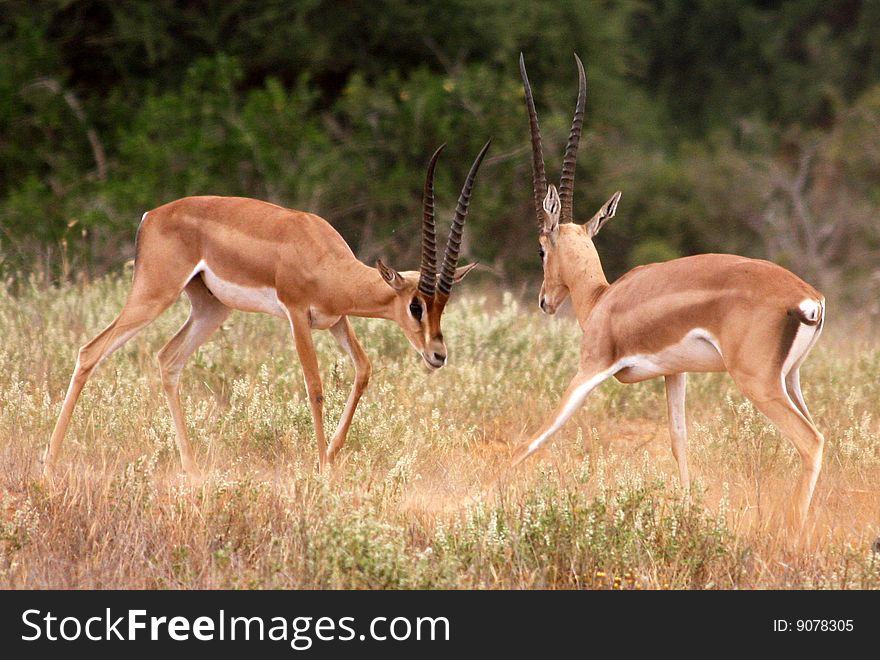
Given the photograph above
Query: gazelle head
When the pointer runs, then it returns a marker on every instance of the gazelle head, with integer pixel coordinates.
(422, 296)
(565, 248)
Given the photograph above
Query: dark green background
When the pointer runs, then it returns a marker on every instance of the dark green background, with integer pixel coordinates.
(729, 125)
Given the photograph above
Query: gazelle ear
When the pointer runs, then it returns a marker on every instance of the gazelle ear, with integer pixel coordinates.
(603, 215)
(552, 207)
(392, 277)
(461, 271)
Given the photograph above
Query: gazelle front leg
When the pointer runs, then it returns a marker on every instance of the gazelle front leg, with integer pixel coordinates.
(344, 335)
(305, 348)
(676, 386)
(585, 381)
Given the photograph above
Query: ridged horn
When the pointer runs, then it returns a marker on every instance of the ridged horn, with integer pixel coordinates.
(428, 274)
(566, 181)
(446, 276)
(539, 176)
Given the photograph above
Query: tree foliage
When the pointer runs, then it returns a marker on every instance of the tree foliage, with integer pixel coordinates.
(729, 125)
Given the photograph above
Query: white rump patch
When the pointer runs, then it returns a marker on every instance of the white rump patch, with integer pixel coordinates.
(810, 309)
(803, 340)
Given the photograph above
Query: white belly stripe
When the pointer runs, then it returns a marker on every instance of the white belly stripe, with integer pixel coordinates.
(697, 351)
(249, 299)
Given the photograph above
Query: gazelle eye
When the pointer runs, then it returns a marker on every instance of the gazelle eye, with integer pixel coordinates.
(541, 253)
(415, 308)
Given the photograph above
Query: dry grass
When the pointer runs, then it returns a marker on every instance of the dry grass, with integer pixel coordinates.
(600, 508)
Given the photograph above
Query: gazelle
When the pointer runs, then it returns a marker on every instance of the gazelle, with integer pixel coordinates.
(709, 312)
(230, 253)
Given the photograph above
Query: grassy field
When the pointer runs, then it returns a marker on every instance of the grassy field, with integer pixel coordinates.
(600, 508)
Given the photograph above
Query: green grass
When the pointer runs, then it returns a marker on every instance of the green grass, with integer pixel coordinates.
(600, 508)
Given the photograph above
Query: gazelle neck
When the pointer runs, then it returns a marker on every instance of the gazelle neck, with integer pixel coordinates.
(364, 293)
(583, 275)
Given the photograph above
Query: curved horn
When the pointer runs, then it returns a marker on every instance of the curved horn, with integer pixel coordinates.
(428, 275)
(566, 182)
(450, 258)
(539, 177)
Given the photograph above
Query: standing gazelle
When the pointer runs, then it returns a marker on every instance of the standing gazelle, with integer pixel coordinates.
(709, 312)
(234, 253)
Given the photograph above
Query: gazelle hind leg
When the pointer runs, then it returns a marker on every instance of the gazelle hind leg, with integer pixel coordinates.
(206, 316)
(771, 398)
(345, 337)
(143, 305)
(792, 376)
(581, 385)
(793, 388)
(676, 387)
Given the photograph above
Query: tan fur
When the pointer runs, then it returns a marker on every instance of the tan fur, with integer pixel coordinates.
(294, 257)
(746, 309)
(704, 313)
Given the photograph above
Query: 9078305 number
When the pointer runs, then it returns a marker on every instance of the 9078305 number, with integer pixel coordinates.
(823, 625)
